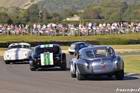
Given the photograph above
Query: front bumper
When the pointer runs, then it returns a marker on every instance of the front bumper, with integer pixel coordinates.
(38, 64)
(16, 58)
(17, 61)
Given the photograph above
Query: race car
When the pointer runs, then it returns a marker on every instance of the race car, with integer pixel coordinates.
(17, 52)
(46, 56)
(75, 47)
(96, 61)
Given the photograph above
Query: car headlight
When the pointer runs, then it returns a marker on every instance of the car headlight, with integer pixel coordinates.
(117, 64)
(26, 54)
(30, 62)
(86, 64)
(37, 59)
(116, 61)
(7, 55)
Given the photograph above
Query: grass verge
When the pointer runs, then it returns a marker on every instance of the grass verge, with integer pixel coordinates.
(99, 39)
(132, 63)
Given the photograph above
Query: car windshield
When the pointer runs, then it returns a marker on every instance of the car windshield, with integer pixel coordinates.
(19, 46)
(95, 53)
(78, 46)
(81, 45)
(101, 53)
(90, 54)
(54, 50)
(73, 46)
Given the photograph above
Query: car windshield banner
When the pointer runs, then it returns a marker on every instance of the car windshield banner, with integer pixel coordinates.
(47, 59)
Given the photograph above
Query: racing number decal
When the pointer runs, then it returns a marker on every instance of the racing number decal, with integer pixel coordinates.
(47, 45)
(47, 59)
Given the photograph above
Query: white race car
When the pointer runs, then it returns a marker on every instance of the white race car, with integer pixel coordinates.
(17, 52)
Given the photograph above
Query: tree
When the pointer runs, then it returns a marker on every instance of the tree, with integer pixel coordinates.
(93, 13)
(4, 18)
(45, 15)
(69, 13)
(56, 17)
(123, 9)
(33, 13)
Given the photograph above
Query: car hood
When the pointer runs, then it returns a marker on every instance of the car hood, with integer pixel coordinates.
(17, 50)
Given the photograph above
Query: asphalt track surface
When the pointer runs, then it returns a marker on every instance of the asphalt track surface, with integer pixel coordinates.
(17, 78)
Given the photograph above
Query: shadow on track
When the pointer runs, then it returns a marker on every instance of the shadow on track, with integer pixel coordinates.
(52, 69)
(18, 63)
(106, 78)
(132, 77)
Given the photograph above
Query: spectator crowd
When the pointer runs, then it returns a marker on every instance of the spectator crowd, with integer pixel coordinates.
(70, 29)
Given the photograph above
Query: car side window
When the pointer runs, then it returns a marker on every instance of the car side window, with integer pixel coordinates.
(82, 46)
(90, 54)
(77, 55)
(111, 51)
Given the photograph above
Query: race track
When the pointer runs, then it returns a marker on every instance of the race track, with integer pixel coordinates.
(17, 78)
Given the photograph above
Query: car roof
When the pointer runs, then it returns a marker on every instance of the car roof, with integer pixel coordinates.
(27, 44)
(100, 46)
(94, 47)
(78, 43)
(47, 45)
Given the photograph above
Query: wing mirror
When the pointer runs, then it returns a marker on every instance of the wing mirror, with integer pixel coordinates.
(77, 56)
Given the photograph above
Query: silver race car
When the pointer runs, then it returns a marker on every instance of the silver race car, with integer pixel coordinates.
(17, 52)
(97, 60)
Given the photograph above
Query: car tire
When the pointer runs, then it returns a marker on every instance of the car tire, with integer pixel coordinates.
(119, 75)
(7, 62)
(63, 65)
(109, 76)
(79, 76)
(32, 68)
(73, 75)
(71, 53)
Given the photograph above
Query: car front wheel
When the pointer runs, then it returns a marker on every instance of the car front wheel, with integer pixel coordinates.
(73, 75)
(64, 64)
(7, 62)
(71, 71)
(79, 76)
(32, 68)
(119, 75)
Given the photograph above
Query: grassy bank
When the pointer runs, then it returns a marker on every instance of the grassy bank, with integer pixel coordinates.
(99, 39)
(132, 63)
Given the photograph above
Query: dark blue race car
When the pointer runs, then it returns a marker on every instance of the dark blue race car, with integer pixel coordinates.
(46, 56)
(75, 47)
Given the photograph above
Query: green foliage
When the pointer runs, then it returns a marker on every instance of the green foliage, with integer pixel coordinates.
(33, 13)
(93, 13)
(4, 18)
(57, 10)
(114, 10)
(17, 15)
